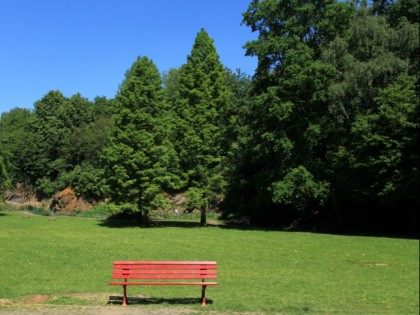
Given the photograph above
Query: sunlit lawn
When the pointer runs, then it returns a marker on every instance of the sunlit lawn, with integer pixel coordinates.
(259, 271)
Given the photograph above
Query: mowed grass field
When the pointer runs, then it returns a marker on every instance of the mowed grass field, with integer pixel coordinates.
(260, 271)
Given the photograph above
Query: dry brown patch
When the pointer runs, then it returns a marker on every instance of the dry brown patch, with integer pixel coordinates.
(6, 302)
(374, 265)
(66, 201)
(35, 299)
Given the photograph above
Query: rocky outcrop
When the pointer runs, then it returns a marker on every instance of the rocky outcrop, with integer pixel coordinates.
(66, 202)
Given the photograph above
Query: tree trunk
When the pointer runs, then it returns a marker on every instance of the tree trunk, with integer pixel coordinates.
(145, 217)
(203, 219)
(144, 214)
(337, 210)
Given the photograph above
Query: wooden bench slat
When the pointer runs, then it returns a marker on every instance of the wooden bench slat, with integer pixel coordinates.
(166, 271)
(165, 266)
(165, 277)
(176, 263)
(154, 272)
(165, 283)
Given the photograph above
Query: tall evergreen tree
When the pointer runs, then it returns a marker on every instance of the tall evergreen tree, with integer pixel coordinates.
(201, 107)
(139, 156)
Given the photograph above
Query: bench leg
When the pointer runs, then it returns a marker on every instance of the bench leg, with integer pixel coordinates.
(203, 295)
(124, 303)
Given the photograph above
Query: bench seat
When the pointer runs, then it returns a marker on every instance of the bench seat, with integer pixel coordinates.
(164, 273)
(163, 283)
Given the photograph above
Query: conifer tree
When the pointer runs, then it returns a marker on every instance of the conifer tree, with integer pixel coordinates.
(138, 154)
(203, 98)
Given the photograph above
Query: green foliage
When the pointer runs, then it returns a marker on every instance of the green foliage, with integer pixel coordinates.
(57, 118)
(4, 177)
(139, 156)
(288, 100)
(47, 187)
(196, 198)
(170, 81)
(87, 180)
(372, 121)
(86, 142)
(381, 140)
(121, 208)
(52, 130)
(298, 188)
(328, 126)
(201, 108)
(16, 142)
(99, 211)
(332, 117)
(404, 10)
(38, 211)
(291, 32)
(58, 138)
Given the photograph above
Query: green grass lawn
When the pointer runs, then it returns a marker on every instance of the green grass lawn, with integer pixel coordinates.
(259, 271)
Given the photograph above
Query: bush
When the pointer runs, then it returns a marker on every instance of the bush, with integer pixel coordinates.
(100, 211)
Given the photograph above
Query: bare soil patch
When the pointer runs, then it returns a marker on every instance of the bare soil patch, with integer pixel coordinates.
(66, 201)
(96, 303)
(35, 299)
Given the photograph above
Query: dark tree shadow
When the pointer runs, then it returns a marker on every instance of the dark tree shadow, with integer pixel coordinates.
(180, 224)
(350, 231)
(119, 223)
(122, 223)
(117, 300)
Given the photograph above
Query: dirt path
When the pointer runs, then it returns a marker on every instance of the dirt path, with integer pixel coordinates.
(92, 310)
(78, 304)
(91, 304)
(87, 310)
(106, 310)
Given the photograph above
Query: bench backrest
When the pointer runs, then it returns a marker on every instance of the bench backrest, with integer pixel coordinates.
(170, 270)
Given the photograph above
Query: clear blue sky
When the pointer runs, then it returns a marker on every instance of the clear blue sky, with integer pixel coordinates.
(86, 46)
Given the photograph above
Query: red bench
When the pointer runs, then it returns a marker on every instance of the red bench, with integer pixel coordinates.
(165, 273)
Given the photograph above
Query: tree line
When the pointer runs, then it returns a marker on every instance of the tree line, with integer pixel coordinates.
(324, 133)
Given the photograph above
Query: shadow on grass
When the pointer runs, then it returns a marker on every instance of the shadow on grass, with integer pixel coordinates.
(3, 214)
(117, 300)
(132, 223)
(332, 230)
(122, 223)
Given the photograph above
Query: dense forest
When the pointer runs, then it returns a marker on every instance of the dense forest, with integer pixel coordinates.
(325, 133)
